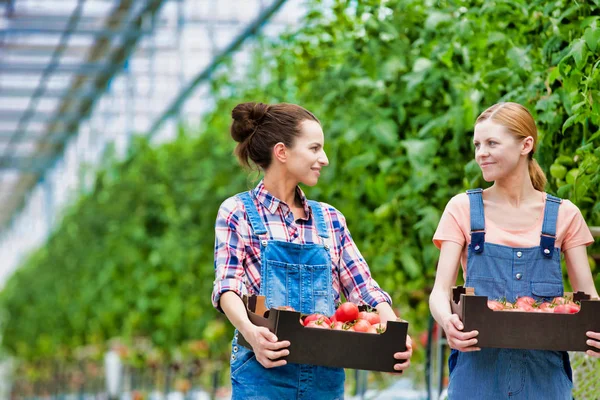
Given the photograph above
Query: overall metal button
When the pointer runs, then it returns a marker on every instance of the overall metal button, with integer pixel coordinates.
(235, 349)
(264, 242)
(546, 251)
(326, 247)
(519, 254)
(477, 247)
(519, 276)
(233, 357)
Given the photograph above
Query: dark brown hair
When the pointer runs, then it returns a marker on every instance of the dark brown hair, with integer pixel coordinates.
(519, 122)
(258, 127)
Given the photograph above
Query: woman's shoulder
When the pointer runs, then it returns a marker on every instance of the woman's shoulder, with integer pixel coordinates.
(328, 208)
(232, 206)
(569, 209)
(458, 201)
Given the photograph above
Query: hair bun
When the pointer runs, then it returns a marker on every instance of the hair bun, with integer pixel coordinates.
(246, 118)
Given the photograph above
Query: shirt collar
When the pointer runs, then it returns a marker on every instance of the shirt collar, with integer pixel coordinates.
(271, 202)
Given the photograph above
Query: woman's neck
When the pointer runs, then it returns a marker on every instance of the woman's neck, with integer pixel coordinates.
(515, 190)
(281, 187)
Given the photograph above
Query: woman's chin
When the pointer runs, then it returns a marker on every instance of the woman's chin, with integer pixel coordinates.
(310, 181)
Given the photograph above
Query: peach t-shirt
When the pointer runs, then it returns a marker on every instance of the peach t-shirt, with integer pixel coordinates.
(455, 226)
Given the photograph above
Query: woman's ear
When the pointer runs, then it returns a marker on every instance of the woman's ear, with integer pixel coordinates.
(527, 145)
(280, 152)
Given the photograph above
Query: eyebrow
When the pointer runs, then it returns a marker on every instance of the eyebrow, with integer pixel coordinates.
(488, 139)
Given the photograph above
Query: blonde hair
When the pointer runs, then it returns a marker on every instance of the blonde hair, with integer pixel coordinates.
(518, 122)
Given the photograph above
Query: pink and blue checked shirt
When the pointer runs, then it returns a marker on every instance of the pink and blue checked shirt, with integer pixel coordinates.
(237, 249)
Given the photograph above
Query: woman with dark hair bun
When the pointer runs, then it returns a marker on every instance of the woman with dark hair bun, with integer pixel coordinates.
(275, 242)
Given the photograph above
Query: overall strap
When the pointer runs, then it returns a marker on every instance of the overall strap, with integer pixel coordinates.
(319, 218)
(257, 225)
(477, 220)
(549, 227)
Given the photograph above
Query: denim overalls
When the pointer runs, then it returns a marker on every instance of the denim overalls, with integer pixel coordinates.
(297, 275)
(500, 271)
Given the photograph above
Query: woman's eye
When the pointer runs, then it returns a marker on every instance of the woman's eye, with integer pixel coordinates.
(492, 143)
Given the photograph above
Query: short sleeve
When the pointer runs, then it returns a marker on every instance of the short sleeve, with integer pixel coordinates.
(454, 221)
(576, 231)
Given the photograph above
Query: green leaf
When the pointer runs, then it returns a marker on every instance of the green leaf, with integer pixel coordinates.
(592, 37)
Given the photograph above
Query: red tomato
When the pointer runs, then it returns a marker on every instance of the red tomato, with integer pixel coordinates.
(380, 328)
(524, 307)
(495, 305)
(372, 329)
(559, 300)
(362, 325)
(337, 325)
(346, 312)
(525, 300)
(370, 317)
(566, 308)
(316, 317)
(318, 324)
(546, 307)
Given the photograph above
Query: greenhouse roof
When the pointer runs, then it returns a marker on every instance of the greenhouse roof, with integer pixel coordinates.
(56, 59)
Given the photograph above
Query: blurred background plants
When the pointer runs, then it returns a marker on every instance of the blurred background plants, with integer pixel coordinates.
(397, 86)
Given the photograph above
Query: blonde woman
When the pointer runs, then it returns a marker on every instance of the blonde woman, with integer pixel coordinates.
(508, 239)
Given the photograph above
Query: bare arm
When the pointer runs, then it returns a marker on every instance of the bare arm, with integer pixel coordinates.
(580, 276)
(439, 300)
(578, 268)
(263, 342)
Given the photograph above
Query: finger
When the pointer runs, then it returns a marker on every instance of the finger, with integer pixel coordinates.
(403, 355)
(267, 334)
(466, 335)
(274, 355)
(469, 349)
(277, 345)
(593, 335)
(456, 322)
(593, 343)
(593, 353)
(272, 364)
(402, 366)
(461, 344)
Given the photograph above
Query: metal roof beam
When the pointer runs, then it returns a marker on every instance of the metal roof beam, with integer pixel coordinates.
(38, 116)
(23, 137)
(33, 68)
(49, 93)
(46, 30)
(32, 165)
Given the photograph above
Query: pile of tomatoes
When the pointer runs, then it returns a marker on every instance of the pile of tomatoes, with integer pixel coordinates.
(558, 305)
(346, 318)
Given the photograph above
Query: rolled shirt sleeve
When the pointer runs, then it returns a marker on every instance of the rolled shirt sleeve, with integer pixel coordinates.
(229, 254)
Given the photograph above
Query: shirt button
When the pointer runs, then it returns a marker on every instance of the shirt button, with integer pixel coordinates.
(326, 247)
(519, 254)
(233, 357)
(264, 242)
(235, 349)
(546, 251)
(519, 276)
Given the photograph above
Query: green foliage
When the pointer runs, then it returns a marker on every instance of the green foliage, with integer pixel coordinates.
(397, 86)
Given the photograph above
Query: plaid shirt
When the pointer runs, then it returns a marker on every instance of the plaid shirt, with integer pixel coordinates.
(237, 249)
